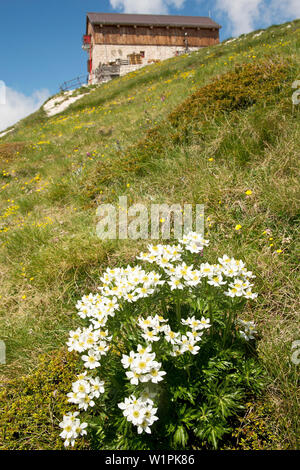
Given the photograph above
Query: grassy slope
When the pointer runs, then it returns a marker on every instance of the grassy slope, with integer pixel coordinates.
(50, 255)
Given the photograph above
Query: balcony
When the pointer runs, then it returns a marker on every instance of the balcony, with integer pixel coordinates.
(86, 42)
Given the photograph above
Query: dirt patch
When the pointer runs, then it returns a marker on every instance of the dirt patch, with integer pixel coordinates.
(10, 150)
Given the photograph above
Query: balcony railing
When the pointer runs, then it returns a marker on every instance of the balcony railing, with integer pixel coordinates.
(75, 83)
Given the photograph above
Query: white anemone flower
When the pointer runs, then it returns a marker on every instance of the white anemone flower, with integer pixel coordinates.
(91, 360)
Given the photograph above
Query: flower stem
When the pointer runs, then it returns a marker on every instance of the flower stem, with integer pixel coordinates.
(211, 317)
(178, 309)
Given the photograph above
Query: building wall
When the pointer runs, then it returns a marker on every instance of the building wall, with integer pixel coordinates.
(124, 70)
(156, 36)
(109, 53)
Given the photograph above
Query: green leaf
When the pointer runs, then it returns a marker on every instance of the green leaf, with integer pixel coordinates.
(180, 437)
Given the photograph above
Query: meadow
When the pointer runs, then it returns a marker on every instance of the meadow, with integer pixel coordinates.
(215, 127)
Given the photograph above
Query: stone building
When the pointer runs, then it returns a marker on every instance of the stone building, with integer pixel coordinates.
(119, 43)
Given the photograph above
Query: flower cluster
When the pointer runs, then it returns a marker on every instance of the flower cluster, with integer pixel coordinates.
(121, 287)
(162, 255)
(237, 270)
(156, 328)
(248, 329)
(72, 428)
(140, 412)
(151, 327)
(129, 284)
(84, 390)
(194, 242)
(143, 366)
(180, 276)
(98, 308)
(95, 341)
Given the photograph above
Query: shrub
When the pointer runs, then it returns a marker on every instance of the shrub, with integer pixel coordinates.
(31, 406)
(233, 91)
(253, 431)
(171, 353)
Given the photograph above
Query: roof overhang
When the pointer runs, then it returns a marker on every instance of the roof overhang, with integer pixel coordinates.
(118, 19)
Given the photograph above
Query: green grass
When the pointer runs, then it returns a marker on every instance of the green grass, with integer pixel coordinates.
(49, 189)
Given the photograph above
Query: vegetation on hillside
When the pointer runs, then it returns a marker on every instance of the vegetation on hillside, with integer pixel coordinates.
(215, 127)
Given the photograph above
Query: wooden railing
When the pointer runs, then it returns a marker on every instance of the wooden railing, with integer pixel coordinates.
(75, 83)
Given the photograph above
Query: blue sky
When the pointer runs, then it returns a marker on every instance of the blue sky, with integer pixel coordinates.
(40, 41)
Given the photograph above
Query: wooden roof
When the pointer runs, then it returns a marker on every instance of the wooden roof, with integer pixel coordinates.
(152, 20)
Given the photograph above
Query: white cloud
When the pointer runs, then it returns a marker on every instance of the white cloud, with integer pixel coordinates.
(288, 9)
(245, 15)
(18, 105)
(242, 14)
(146, 6)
